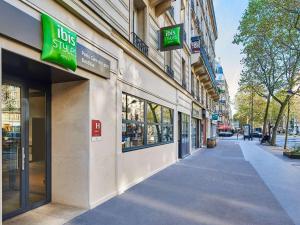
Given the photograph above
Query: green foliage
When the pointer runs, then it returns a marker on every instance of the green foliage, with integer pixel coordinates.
(270, 38)
(243, 106)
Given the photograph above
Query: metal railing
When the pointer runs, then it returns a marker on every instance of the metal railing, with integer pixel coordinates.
(198, 23)
(208, 65)
(170, 71)
(140, 44)
(193, 7)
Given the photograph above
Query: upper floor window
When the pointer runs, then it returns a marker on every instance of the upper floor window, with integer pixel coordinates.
(138, 18)
(183, 70)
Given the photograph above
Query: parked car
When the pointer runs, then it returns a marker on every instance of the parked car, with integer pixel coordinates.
(225, 134)
(257, 134)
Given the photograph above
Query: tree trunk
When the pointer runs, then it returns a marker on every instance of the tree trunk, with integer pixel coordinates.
(266, 116)
(278, 120)
(287, 127)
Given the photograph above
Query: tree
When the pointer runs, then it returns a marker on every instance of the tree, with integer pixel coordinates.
(243, 107)
(271, 43)
(248, 81)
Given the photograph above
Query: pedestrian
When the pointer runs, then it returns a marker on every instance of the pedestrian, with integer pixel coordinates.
(237, 135)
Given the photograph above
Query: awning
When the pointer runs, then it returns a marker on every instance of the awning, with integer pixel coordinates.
(224, 127)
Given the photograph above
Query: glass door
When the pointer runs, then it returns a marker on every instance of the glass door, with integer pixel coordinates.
(183, 135)
(12, 152)
(25, 151)
(36, 140)
(194, 133)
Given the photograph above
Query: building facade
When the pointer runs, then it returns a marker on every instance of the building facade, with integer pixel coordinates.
(79, 135)
(223, 108)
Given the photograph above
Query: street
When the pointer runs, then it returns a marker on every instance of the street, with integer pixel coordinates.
(226, 185)
(292, 140)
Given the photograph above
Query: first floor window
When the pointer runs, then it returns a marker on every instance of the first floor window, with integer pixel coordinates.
(167, 133)
(132, 135)
(145, 123)
(153, 133)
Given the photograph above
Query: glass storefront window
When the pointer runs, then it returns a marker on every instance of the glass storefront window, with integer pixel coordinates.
(167, 115)
(138, 130)
(167, 134)
(153, 134)
(135, 109)
(132, 135)
(153, 113)
(124, 107)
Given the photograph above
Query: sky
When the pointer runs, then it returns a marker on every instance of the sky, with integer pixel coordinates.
(228, 14)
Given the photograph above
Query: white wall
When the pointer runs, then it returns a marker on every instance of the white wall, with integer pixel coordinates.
(70, 143)
(103, 107)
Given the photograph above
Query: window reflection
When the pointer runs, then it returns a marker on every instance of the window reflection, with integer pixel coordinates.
(132, 135)
(167, 133)
(139, 131)
(11, 147)
(167, 115)
(153, 113)
(135, 109)
(153, 134)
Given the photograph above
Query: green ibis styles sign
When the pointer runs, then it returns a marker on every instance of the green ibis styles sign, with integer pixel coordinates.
(171, 37)
(59, 43)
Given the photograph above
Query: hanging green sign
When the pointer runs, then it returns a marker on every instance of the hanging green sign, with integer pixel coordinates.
(59, 43)
(171, 37)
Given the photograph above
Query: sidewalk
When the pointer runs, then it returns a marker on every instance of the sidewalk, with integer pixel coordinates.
(280, 174)
(212, 187)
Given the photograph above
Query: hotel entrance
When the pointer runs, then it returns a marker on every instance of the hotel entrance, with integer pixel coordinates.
(26, 132)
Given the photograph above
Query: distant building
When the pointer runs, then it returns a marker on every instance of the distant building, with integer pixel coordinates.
(223, 107)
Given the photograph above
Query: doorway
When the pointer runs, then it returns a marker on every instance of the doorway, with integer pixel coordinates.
(25, 145)
(196, 138)
(183, 135)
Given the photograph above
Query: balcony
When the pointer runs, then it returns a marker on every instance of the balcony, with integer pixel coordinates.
(170, 71)
(208, 66)
(160, 6)
(198, 25)
(139, 44)
(193, 8)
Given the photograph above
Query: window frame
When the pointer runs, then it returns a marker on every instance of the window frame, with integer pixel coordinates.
(145, 124)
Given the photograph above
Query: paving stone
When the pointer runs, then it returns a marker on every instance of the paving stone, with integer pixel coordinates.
(212, 187)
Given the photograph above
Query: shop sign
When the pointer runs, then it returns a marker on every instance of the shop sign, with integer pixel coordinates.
(28, 30)
(196, 111)
(215, 116)
(96, 130)
(171, 37)
(59, 43)
(93, 62)
(195, 44)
